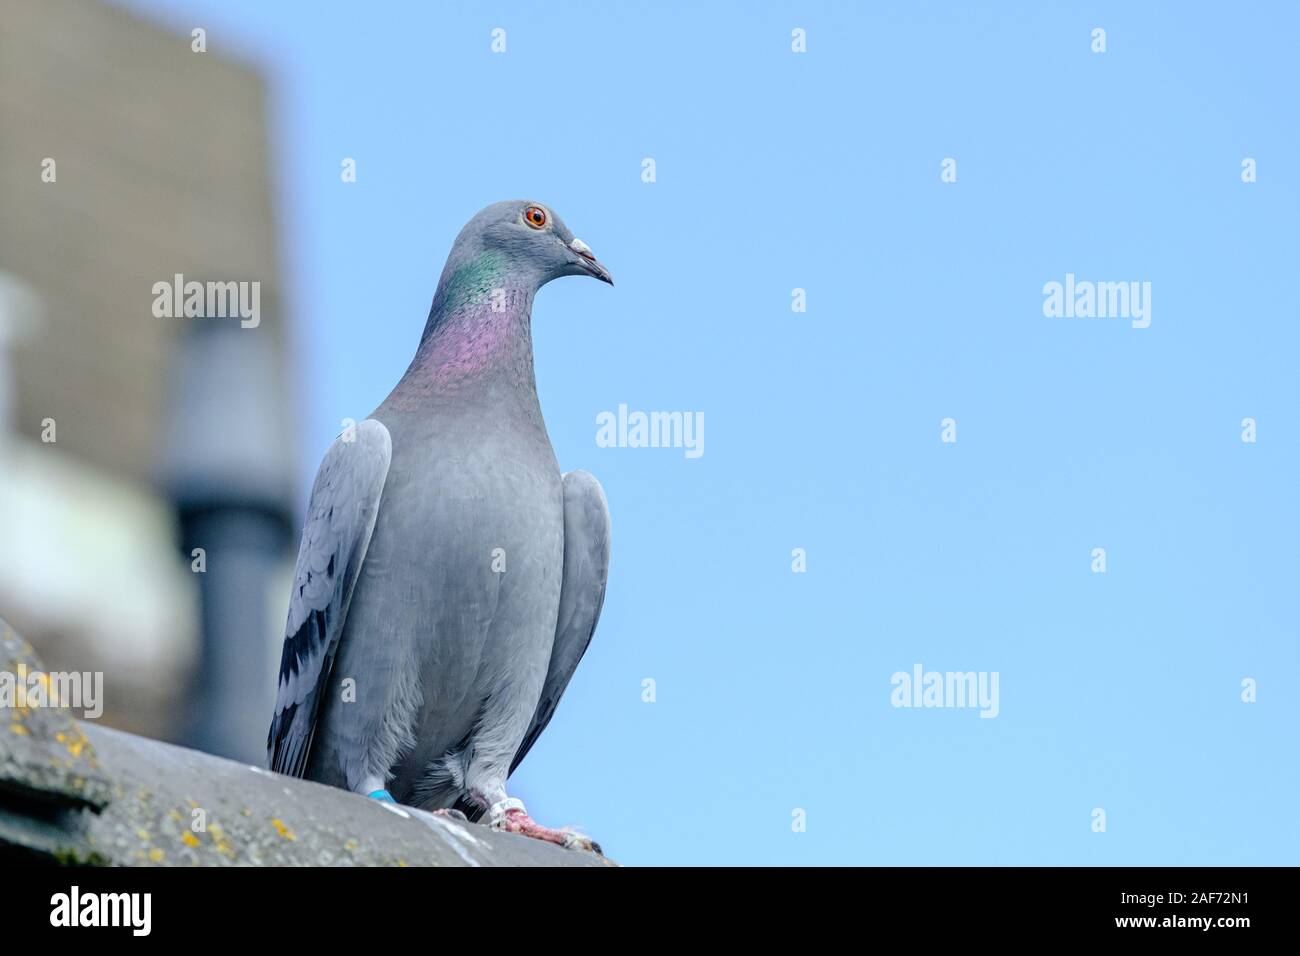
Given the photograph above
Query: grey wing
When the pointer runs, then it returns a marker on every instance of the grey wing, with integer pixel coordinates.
(582, 592)
(340, 519)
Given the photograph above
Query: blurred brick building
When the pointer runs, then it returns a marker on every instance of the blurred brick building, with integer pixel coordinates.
(127, 158)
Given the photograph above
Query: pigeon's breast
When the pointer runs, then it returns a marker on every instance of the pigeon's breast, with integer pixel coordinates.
(469, 548)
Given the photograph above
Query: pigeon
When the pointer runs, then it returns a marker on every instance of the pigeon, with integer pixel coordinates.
(449, 577)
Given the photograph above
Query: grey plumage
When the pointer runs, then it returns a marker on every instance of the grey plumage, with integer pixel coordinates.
(340, 519)
(586, 566)
(449, 579)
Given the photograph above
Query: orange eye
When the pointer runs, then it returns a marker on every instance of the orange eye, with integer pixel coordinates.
(535, 216)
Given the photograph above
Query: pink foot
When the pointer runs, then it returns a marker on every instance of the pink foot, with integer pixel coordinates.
(518, 821)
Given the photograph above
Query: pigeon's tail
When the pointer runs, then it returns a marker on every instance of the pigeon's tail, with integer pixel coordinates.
(471, 810)
(289, 740)
(442, 785)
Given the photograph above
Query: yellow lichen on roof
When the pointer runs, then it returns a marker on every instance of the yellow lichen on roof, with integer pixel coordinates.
(280, 828)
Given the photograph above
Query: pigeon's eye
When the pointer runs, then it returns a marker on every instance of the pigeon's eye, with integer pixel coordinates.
(535, 216)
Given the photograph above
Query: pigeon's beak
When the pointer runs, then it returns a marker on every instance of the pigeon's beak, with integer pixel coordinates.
(589, 263)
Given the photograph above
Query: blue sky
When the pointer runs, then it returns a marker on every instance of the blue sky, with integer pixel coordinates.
(821, 171)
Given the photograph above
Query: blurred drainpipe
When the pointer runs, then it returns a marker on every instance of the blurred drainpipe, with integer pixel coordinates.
(226, 466)
(20, 317)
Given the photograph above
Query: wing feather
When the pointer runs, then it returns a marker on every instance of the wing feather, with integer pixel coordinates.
(582, 593)
(340, 519)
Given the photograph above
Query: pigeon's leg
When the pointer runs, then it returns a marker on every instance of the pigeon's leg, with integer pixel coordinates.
(510, 815)
(485, 783)
(373, 787)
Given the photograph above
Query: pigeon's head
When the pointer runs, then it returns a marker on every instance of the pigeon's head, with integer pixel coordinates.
(534, 240)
